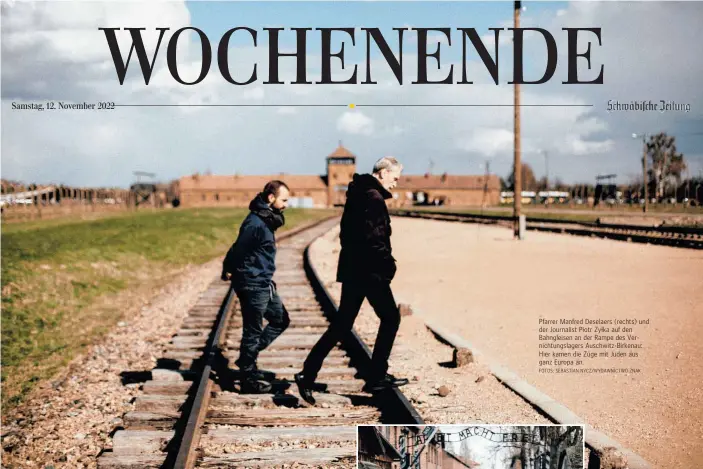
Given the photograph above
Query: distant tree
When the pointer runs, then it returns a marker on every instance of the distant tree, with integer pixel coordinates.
(529, 181)
(583, 191)
(542, 184)
(666, 163)
(559, 185)
(504, 185)
(544, 448)
(691, 189)
(562, 443)
(555, 185)
(465, 451)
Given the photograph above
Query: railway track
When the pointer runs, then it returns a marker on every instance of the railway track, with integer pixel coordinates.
(678, 236)
(191, 415)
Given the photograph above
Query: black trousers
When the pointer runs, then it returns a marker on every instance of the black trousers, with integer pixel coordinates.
(258, 304)
(381, 299)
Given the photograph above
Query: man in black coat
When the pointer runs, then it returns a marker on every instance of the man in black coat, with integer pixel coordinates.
(366, 268)
(250, 264)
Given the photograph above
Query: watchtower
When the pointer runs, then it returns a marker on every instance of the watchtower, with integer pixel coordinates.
(143, 191)
(341, 166)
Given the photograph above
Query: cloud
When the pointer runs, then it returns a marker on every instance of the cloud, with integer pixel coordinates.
(355, 123)
(53, 49)
(504, 38)
(87, 148)
(397, 130)
(254, 93)
(488, 142)
(582, 147)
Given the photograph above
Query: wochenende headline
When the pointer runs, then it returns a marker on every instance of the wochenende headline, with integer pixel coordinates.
(372, 35)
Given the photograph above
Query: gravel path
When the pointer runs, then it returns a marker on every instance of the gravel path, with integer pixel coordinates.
(492, 291)
(67, 422)
(475, 396)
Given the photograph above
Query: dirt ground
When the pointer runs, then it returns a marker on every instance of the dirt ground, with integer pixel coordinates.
(492, 290)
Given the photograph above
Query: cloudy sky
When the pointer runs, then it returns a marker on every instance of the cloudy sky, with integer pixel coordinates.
(53, 51)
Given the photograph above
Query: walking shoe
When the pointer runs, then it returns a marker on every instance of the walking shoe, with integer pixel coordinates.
(395, 382)
(304, 388)
(252, 386)
(387, 382)
(262, 375)
(319, 387)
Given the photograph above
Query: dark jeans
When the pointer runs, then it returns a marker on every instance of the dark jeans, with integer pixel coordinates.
(257, 304)
(381, 299)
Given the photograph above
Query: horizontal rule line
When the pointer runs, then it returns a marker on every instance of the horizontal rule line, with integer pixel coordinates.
(352, 106)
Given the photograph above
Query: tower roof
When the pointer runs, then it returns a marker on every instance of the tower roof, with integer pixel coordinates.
(341, 152)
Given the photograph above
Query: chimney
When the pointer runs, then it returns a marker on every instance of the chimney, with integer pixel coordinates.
(427, 175)
(444, 177)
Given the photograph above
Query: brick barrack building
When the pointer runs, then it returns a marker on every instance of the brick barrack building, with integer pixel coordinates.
(330, 189)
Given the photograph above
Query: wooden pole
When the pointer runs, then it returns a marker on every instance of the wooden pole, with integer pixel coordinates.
(644, 172)
(517, 170)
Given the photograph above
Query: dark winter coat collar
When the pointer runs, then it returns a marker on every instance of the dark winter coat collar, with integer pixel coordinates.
(364, 182)
(273, 217)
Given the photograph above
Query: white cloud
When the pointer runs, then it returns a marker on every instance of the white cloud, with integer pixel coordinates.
(355, 123)
(434, 37)
(397, 130)
(487, 142)
(256, 93)
(63, 38)
(582, 147)
(103, 148)
(489, 40)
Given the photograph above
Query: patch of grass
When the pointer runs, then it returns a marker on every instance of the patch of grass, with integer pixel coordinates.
(81, 217)
(583, 217)
(59, 278)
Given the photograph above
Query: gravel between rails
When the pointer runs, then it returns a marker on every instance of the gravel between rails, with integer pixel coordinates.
(67, 421)
(475, 396)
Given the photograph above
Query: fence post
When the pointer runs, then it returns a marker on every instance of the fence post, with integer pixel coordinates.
(522, 226)
(37, 201)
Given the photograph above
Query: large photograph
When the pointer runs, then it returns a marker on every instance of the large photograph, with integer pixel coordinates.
(234, 231)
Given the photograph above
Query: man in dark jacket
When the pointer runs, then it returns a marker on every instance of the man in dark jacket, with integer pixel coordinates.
(250, 264)
(366, 268)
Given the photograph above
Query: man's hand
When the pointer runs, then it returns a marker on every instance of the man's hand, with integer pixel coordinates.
(225, 276)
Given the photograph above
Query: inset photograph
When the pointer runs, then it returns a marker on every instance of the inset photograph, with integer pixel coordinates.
(471, 446)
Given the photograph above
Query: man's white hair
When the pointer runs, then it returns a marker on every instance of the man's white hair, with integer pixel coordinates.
(387, 162)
